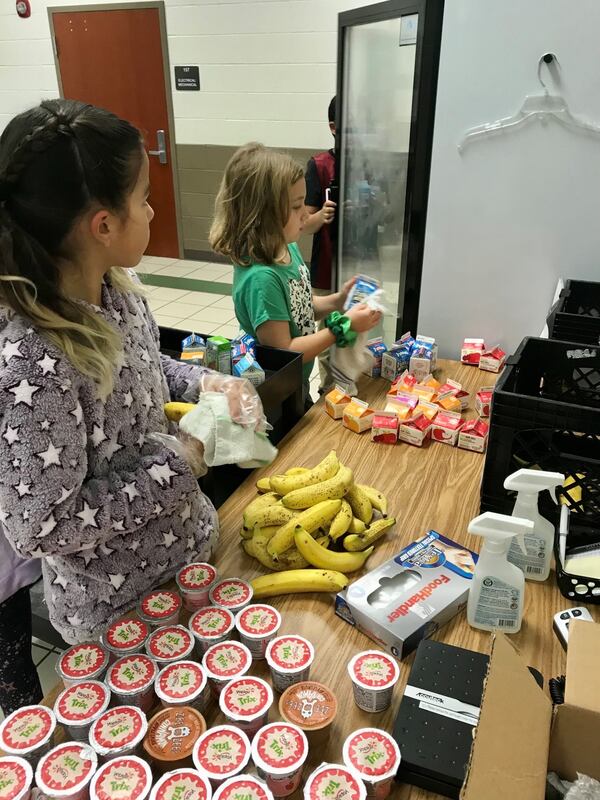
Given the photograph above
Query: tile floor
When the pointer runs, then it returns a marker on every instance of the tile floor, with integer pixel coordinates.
(45, 657)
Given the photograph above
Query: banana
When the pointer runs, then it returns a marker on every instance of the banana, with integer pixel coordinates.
(246, 533)
(360, 504)
(359, 541)
(296, 470)
(264, 485)
(377, 498)
(292, 559)
(272, 515)
(260, 539)
(333, 488)
(248, 546)
(313, 518)
(298, 580)
(175, 411)
(320, 557)
(357, 526)
(262, 501)
(283, 484)
(341, 521)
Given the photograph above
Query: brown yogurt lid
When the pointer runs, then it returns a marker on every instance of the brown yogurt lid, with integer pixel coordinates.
(173, 732)
(309, 705)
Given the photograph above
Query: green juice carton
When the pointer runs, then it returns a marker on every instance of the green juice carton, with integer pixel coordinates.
(218, 354)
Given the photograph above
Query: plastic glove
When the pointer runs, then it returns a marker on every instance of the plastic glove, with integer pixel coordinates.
(244, 403)
(186, 447)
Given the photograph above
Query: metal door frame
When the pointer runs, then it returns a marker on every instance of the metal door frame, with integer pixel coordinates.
(427, 59)
(164, 44)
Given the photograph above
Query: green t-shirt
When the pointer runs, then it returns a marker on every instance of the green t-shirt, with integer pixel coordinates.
(275, 293)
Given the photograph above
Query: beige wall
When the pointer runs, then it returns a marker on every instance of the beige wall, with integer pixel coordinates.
(200, 171)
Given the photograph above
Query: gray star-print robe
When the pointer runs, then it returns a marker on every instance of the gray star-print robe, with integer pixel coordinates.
(110, 514)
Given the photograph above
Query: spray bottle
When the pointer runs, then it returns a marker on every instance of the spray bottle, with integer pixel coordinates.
(535, 560)
(496, 593)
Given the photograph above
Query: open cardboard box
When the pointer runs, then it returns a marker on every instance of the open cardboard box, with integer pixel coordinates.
(519, 739)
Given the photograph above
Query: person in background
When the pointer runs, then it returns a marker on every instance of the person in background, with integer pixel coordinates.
(91, 482)
(259, 215)
(320, 174)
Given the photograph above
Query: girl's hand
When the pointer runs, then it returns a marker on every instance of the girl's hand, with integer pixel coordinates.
(363, 318)
(245, 406)
(328, 212)
(344, 292)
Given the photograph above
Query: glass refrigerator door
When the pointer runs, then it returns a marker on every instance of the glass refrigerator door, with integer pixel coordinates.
(376, 124)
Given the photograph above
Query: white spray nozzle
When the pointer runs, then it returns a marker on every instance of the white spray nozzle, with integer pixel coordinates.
(534, 481)
(500, 528)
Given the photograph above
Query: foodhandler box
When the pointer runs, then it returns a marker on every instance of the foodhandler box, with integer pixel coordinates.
(409, 597)
(519, 738)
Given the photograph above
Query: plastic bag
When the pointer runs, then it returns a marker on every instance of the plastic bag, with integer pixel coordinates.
(186, 447)
(245, 406)
(347, 363)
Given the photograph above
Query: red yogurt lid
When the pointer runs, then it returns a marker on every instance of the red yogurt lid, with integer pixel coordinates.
(82, 661)
(334, 782)
(66, 768)
(182, 784)
(290, 653)
(258, 621)
(226, 660)
(170, 643)
(181, 681)
(231, 593)
(372, 752)
(211, 622)
(222, 751)
(243, 787)
(122, 778)
(160, 605)
(374, 669)
(27, 728)
(126, 634)
(246, 698)
(16, 777)
(195, 577)
(119, 727)
(82, 702)
(279, 748)
(132, 674)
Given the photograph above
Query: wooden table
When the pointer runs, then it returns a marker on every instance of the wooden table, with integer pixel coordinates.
(436, 487)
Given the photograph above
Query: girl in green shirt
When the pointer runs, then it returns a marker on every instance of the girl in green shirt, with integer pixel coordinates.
(259, 216)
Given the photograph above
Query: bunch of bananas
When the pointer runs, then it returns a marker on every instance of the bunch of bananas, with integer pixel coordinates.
(315, 518)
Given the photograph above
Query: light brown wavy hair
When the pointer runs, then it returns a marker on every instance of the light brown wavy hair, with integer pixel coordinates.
(252, 206)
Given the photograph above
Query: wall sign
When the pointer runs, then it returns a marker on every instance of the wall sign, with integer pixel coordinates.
(23, 8)
(187, 79)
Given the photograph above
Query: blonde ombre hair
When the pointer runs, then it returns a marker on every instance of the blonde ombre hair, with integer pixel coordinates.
(252, 206)
(57, 161)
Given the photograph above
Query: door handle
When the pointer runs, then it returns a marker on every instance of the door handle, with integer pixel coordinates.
(162, 147)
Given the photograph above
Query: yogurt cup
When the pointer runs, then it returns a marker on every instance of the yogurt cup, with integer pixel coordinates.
(66, 771)
(375, 756)
(279, 751)
(257, 625)
(374, 675)
(311, 706)
(125, 636)
(122, 778)
(231, 593)
(172, 734)
(246, 702)
(211, 625)
(289, 659)
(225, 661)
(28, 732)
(170, 643)
(16, 777)
(79, 705)
(160, 608)
(118, 732)
(194, 582)
(183, 684)
(182, 784)
(221, 753)
(131, 680)
(243, 786)
(82, 662)
(334, 782)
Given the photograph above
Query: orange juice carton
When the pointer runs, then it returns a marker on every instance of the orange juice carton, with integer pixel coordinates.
(423, 357)
(336, 401)
(377, 348)
(385, 427)
(403, 383)
(428, 410)
(446, 427)
(396, 405)
(358, 417)
(415, 431)
(447, 396)
(483, 401)
(492, 360)
(471, 351)
(425, 393)
(474, 435)
(431, 381)
(397, 358)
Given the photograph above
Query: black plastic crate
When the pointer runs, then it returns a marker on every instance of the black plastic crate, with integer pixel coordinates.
(575, 317)
(546, 415)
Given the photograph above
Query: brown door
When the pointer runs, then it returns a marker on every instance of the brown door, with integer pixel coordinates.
(114, 59)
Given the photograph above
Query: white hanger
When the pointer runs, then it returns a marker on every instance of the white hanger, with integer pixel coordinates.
(544, 106)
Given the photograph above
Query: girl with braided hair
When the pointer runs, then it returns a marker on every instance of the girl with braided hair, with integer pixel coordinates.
(85, 485)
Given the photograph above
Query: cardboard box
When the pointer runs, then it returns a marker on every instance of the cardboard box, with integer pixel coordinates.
(415, 431)
(446, 427)
(474, 435)
(471, 351)
(385, 427)
(336, 401)
(409, 597)
(395, 405)
(492, 360)
(425, 392)
(519, 738)
(429, 410)
(423, 357)
(483, 401)
(357, 417)
(377, 348)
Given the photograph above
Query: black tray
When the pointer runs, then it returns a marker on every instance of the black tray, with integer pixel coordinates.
(575, 317)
